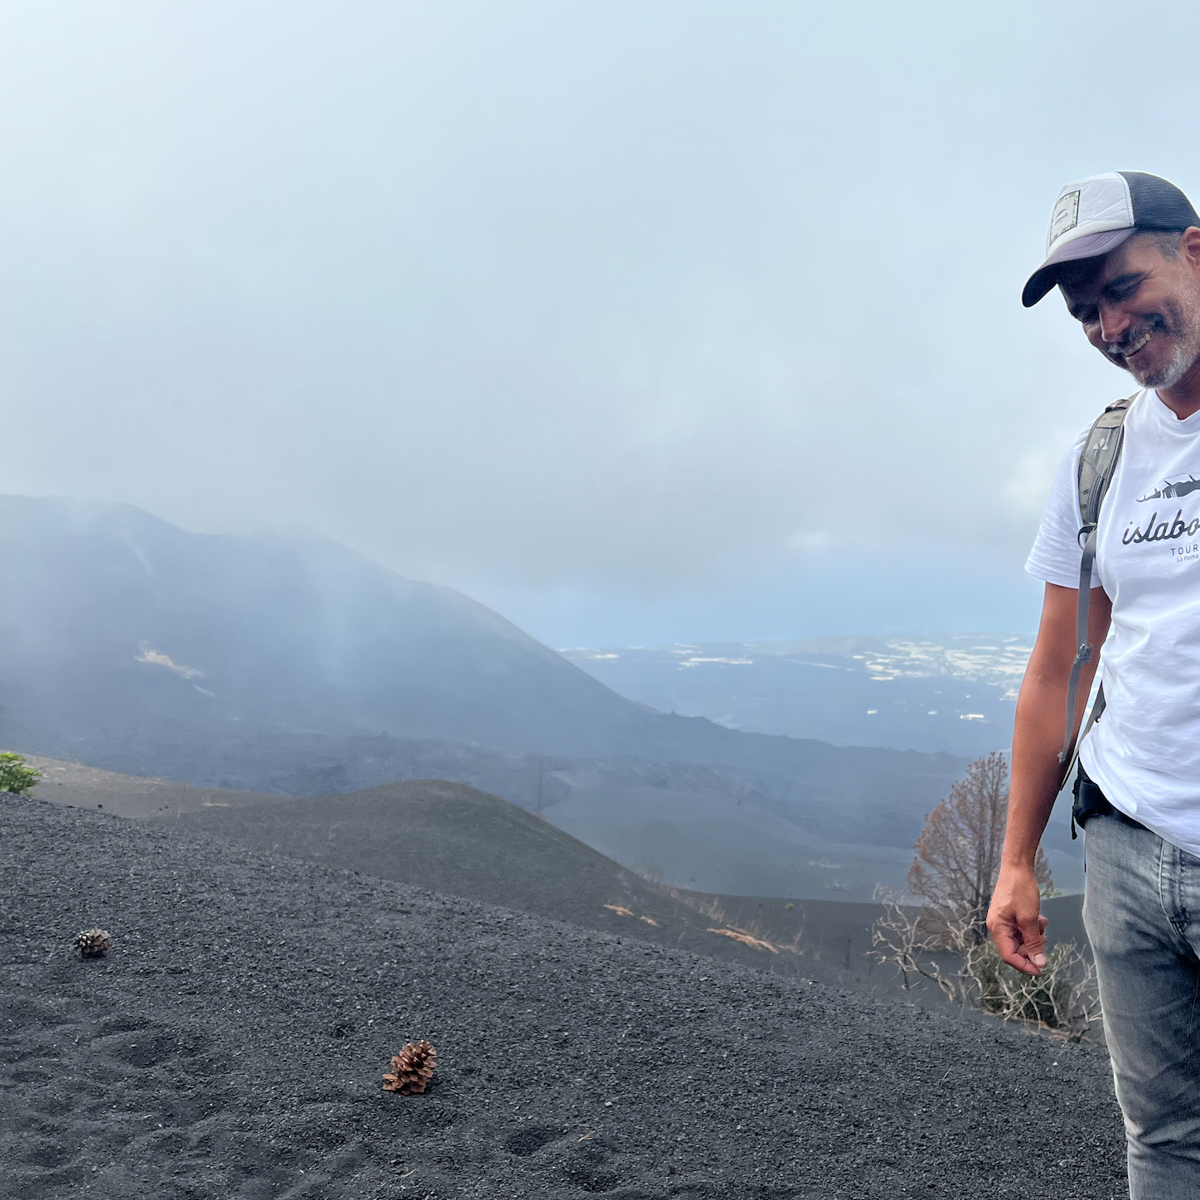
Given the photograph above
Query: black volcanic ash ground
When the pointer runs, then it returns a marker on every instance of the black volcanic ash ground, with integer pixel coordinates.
(233, 1043)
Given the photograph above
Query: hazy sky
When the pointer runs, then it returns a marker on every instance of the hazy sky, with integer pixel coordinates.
(636, 321)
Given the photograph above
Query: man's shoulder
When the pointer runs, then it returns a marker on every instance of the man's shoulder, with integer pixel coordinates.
(1132, 408)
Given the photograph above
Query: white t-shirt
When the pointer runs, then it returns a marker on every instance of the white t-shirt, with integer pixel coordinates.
(1144, 753)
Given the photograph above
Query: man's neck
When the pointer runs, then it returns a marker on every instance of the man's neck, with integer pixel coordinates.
(1184, 398)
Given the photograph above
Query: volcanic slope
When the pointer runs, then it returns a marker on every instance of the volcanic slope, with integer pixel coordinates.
(463, 842)
(449, 838)
(125, 622)
(454, 839)
(269, 663)
(81, 786)
(232, 1044)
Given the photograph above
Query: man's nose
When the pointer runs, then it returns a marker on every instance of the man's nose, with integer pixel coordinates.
(1113, 323)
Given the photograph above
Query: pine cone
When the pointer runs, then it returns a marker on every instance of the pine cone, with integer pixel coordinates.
(412, 1069)
(92, 943)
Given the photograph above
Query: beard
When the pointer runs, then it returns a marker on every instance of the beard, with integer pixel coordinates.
(1170, 373)
(1180, 323)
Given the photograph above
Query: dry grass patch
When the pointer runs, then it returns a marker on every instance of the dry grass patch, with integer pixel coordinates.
(748, 933)
(622, 911)
(747, 939)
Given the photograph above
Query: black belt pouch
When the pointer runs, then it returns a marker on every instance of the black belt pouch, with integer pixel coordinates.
(1090, 802)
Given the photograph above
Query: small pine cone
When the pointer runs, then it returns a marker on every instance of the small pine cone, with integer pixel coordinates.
(412, 1069)
(92, 943)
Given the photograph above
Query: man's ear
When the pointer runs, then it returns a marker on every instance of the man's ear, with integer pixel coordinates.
(1189, 247)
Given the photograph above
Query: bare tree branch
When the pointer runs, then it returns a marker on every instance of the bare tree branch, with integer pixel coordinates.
(945, 940)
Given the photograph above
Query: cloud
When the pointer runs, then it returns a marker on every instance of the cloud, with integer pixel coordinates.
(821, 539)
(1028, 487)
(623, 308)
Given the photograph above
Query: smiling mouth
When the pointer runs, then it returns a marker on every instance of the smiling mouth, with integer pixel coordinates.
(1133, 348)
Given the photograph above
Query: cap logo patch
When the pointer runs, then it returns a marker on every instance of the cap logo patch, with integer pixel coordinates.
(1066, 215)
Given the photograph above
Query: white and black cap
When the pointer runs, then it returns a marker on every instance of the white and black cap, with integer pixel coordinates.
(1095, 215)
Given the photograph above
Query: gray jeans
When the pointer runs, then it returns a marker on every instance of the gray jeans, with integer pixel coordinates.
(1142, 914)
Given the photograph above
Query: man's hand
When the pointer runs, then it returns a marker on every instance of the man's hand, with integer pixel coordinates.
(1014, 920)
(1016, 928)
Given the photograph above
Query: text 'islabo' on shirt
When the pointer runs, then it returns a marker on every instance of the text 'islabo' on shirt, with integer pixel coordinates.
(1145, 751)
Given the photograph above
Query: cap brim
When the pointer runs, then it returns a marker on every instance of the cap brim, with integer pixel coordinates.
(1091, 245)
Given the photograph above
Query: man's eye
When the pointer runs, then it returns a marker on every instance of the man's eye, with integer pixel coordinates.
(1089, 316)
(1123, 290)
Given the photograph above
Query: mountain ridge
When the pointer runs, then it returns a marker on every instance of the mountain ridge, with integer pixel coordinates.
(276, 663)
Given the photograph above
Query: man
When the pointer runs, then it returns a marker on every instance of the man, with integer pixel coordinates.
(1124, 251)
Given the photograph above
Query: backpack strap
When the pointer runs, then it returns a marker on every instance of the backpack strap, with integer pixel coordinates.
(1097, 465)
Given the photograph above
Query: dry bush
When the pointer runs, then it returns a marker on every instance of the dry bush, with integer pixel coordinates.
(1062, 998)
(944, 938)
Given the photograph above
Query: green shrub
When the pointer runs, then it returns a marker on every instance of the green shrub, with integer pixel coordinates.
(15, 776)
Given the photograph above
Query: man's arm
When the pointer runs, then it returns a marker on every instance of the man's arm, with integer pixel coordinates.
(1013, 919)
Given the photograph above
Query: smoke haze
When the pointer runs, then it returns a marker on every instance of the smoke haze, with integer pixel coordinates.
(633, 322)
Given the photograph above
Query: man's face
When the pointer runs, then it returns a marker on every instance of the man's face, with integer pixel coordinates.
(1141, 308)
